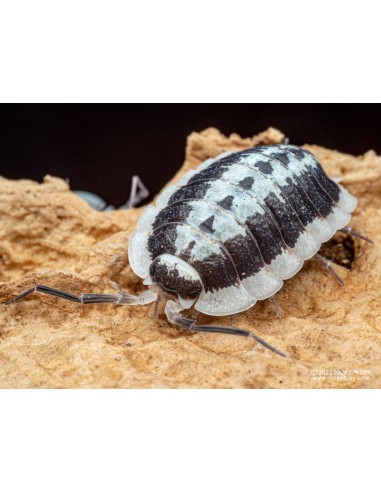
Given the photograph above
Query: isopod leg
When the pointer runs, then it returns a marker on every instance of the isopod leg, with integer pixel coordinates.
(145, 297)
(138, 193)
(276, 306)
(350, 231)
(172, 310)
(327, 264)
(156, 308)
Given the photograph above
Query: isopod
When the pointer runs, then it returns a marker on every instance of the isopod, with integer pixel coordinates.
(229, 233)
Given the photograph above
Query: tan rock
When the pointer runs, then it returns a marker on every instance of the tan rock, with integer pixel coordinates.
(50, 236)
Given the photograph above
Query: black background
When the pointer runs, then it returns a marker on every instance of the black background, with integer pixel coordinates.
(100, 147)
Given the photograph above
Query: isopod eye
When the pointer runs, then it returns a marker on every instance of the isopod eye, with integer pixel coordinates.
(176, 276)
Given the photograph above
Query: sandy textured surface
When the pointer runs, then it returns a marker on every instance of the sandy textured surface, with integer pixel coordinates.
(50, 236)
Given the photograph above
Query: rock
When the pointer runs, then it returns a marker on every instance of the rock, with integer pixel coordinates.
(50, 236)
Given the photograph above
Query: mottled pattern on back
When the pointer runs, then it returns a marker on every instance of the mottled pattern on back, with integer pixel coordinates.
(244, 222)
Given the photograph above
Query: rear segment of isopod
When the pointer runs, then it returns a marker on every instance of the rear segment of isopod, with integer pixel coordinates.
(309, 171)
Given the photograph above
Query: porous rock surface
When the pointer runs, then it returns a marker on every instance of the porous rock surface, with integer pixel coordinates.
(50, 236)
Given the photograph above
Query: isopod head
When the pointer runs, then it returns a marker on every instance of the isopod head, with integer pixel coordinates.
(175, 277)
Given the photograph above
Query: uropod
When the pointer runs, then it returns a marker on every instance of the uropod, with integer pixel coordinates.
(229, 233)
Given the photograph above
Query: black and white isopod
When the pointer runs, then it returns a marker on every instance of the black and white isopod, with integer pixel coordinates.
(229, 233)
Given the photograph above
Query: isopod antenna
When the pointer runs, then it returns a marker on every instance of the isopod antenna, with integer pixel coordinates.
(172, 310)
(145, 297)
